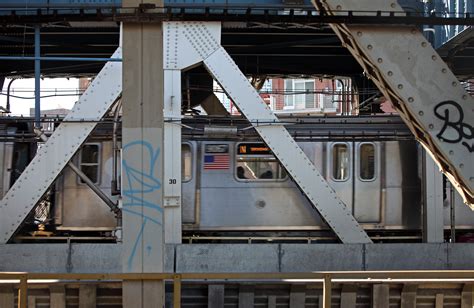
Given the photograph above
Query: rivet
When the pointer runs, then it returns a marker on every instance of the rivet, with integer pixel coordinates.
(393, 5)
(423, 44)
(451, 152)
(338, 7)
(454, 83)
(471, 179)
(390, 73)
(379, 60)
(444, 70)
(461, 165)
(434, 58)
(359, 33)
(369, 47)
(431, 126)
(413, 31)
(410, 99)
(400, 86)
(421, 113)
(464, 96)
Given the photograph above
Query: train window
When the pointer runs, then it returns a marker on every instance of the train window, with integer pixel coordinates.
(259, 168)
(89, 162)
(367, 161)
(340, 162)
(186, 163)
(256, 162)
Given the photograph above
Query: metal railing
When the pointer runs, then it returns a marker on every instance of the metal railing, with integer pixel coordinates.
(326, 278)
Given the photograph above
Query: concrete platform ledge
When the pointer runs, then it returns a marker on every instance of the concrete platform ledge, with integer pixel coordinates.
(96, 258)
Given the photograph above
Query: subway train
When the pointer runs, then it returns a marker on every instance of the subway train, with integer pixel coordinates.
(233, 188)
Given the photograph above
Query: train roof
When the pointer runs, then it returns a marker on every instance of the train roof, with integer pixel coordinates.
(302, 128)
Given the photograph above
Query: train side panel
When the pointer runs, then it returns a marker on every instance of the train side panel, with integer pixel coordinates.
(77, 207)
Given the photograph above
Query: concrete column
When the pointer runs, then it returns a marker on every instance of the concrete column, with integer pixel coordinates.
(7, 296)
(246, 296)
(349, 296)
(31, 301)
(215, 296)
(467, 296)
(87, 295)
(272, 301)
(408, 296)
(142, 159)
(439, 300)
(433, 201)
(57, 296)
(297, 296)
(380, 295)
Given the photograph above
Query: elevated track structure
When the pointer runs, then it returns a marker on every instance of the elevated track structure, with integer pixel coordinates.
(162, 40)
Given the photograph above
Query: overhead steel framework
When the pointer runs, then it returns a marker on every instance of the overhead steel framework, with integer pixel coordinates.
(218, 12)
(399, 60)
(189, 43)
(55, 154)
(407, 70)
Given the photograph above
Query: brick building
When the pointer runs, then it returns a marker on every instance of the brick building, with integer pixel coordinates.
(313, 96)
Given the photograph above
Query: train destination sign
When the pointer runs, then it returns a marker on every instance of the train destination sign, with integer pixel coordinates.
(217, 148)
(253, 149)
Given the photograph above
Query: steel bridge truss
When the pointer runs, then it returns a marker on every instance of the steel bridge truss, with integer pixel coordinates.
(187, 44)
(400, 61)
(408, 71)
(16, 13)
(55, 154)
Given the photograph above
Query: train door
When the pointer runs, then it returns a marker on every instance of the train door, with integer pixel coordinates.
(339, 170)
(6, 157)
(366, 177)
(353, 171)
(188, 182)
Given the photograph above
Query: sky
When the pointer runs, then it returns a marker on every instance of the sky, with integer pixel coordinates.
(50, 86)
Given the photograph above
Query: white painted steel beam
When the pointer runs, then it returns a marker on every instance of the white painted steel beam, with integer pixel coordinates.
(433, 211)
(53, 156)
(177, 55)
(172, 154)
(409, 72)
(188, 43)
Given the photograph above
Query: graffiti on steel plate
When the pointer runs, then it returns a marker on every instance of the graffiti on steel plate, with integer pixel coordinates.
(454, 128)
(139, 191)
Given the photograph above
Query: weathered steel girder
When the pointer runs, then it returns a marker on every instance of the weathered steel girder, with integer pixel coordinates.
(408, 71)
(219, 12)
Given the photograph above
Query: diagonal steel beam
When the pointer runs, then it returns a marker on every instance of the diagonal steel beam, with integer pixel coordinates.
(188, 43)
(429, 98)
(54, 155)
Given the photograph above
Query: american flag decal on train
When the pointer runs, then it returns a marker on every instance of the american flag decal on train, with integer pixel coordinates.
(216, 161)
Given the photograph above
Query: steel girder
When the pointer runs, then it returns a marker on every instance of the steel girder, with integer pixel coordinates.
(54, 155)
(409, 72)
(190, 43)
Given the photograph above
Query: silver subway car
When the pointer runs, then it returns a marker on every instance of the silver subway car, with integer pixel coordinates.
(238, 186)
(255, 193)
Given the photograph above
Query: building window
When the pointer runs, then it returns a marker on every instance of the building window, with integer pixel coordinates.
(289, 98)
(299, 94)
(340, 162)
(89, 161)
(256, 162)
(186, 163)
(367, 161)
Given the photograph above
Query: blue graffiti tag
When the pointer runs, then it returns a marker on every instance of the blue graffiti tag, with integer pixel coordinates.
(138, 183)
